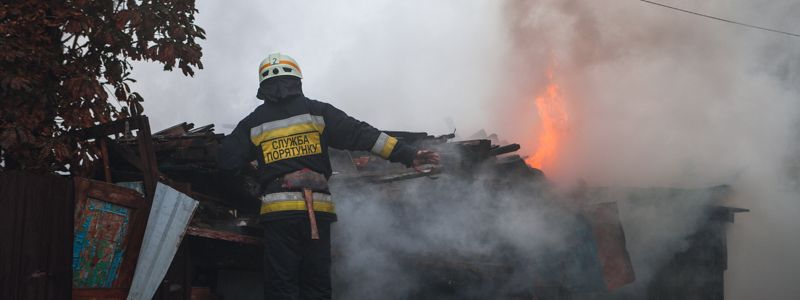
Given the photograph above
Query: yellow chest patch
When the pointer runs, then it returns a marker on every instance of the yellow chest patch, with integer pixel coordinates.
(296, 145)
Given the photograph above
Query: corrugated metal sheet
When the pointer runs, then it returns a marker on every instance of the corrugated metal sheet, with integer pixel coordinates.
(35, 236)
(169, 218)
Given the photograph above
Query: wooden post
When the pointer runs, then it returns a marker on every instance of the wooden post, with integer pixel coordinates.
(149, 179)
(104, 153)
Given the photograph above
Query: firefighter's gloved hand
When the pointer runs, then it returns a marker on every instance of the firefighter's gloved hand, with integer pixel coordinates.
(426, 157)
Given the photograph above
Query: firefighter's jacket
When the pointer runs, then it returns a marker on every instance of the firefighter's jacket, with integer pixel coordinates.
(293, 133)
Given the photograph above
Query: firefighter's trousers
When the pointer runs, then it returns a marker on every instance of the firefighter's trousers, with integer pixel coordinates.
(295, 266)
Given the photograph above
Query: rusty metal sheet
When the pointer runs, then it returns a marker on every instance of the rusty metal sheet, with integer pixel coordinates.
(169, 218)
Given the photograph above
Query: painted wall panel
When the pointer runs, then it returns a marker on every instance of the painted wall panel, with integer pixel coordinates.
(99, 245)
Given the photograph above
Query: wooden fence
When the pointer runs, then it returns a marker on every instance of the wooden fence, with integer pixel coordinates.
(36, 233)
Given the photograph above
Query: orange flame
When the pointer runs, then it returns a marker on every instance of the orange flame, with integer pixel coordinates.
(552, 112)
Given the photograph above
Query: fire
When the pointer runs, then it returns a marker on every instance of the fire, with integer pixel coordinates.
(553, 117)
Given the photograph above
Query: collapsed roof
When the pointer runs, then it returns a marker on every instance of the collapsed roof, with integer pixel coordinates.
(483, 224)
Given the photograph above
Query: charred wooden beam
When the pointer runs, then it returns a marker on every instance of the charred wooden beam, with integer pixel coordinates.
(104, 154)
(223, 235)
(203, 129)
(503, 149)
(385, 177)
(176, 130)
(124, 126)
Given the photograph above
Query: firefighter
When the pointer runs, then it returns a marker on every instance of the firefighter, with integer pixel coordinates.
(287, 134)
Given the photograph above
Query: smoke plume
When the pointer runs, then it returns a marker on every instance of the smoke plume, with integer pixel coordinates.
(654, 97)
(662, 98)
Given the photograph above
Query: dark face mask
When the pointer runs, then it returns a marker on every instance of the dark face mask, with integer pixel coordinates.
(280, 88)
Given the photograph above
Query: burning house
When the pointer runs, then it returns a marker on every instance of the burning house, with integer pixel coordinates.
(484, 225)
(639, 124)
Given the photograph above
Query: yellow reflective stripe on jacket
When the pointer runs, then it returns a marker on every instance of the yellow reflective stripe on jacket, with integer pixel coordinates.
(286, 131)
(286, 127)
(290, 205)
(384, 145)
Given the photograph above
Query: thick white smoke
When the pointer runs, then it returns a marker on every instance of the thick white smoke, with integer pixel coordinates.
(661, 98)
(655, 97)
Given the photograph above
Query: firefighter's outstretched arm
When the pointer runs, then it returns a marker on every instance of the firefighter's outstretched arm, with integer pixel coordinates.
(347, 133)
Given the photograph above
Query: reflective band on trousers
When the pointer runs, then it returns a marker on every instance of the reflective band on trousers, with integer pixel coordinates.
(384, 145)
(288, 201)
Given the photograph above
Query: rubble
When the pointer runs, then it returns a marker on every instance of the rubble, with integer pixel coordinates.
(224, 229)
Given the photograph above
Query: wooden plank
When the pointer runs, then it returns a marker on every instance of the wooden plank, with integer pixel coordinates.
(223, 235)
(169, 216)
(114, 127)
(99, 294)
(206, 129)
(175, 130)
(117, 195)
(104, 155)
(148, 158)
(386, 177)
(139, 221)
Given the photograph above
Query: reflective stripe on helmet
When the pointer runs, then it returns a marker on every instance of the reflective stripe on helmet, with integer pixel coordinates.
(277, 64)
(283, 62)
(384, 146)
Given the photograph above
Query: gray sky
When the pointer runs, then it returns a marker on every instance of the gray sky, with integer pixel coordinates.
(655, 97)
(399, 65)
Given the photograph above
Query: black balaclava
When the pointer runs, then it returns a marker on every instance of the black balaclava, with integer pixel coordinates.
(280, 88)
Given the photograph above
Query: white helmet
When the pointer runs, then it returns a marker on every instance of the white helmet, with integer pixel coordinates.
(277, 64)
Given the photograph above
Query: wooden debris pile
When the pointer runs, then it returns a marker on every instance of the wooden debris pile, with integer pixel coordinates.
(186, 159)
(224, 232)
